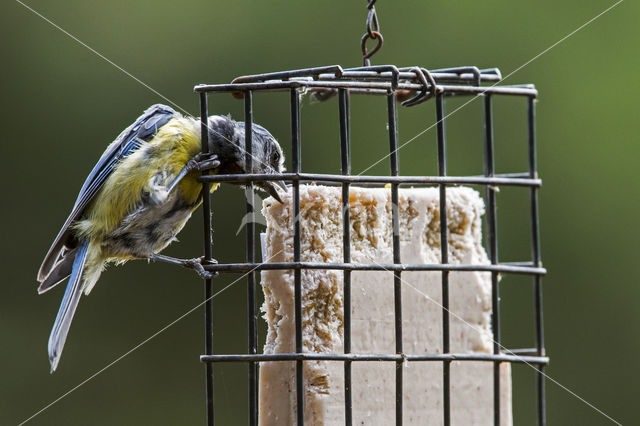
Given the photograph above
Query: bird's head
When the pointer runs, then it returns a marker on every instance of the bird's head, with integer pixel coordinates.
(227, 141)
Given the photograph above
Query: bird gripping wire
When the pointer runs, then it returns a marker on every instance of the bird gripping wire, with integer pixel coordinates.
(372, 33)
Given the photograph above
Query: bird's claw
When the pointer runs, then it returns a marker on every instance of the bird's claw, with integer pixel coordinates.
(197, 265)
(200, 162)
(204, 161)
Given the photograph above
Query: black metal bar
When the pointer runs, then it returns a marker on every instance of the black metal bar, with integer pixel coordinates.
(375, 71)
(375, 357)
(343, 101)
(348, 116)
(522, 90)
(521, 351)
(250, 255)
(535, 251)
(390, 267)
(492, 238)
(444, 255)
(295, 165)
(380, 180)
(457, 74)
(208, 284)
(285, 75)
(387, 72)
(392, 120)
(404, 74)
(457, 90)
(527, 263)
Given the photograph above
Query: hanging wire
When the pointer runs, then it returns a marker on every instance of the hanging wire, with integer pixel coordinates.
(372, 33)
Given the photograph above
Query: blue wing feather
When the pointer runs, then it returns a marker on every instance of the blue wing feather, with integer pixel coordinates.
(67, 307)
(142, 130)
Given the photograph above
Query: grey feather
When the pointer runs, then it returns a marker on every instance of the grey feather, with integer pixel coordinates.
(227, 141)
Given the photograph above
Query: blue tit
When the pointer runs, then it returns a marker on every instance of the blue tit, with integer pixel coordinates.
(139, 196)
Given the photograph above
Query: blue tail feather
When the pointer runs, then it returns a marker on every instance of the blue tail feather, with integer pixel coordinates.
(67, 307)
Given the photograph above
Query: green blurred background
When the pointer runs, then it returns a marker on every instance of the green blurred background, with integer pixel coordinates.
(61, 105)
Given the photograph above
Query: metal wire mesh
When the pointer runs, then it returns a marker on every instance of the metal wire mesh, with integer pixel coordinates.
(412, 85)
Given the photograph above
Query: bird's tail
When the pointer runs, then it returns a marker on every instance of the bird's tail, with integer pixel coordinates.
(67, 307)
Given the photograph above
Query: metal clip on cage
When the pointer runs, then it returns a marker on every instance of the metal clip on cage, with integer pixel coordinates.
(412, 86)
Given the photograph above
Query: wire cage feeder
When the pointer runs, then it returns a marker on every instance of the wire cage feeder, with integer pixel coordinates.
(411, 86)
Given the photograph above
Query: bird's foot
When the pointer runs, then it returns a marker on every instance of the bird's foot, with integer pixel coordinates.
(200, 162)
(197, 265)
(203, 161)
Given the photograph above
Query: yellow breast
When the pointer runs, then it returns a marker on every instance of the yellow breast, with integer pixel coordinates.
(156, 162)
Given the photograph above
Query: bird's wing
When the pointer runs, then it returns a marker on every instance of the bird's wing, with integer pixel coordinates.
(142, 130)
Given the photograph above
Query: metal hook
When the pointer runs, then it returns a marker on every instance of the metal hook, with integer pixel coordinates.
(366, 54)
(429, 87)
(373, 32)
(372, 23)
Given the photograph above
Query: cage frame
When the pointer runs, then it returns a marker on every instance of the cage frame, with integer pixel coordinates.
(396, 84)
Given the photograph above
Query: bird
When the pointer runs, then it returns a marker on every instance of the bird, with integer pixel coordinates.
(140, 194)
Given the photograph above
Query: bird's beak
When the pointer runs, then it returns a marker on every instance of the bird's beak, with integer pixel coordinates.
(272, 190)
